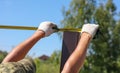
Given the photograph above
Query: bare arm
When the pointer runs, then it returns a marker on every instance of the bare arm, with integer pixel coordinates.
(75, 61)
(20, 51)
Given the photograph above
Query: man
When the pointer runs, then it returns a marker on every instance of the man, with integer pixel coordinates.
(73, 64)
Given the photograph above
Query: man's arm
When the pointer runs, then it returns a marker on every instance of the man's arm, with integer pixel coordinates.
(76, 60)
(20, 51)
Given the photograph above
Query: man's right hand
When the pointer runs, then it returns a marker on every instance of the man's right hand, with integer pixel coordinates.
(47, 27)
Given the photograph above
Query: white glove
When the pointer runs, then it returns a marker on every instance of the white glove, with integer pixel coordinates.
(90, 28)
(47, 27)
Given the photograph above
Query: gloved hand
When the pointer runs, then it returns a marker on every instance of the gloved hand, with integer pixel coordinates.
(90, 28)
(47, 27)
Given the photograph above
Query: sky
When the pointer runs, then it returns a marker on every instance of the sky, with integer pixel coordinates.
(32, 13)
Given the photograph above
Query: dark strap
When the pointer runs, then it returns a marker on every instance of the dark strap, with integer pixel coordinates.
(70, 41)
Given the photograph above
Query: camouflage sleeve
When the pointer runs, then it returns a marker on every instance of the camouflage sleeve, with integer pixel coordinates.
(23, 66)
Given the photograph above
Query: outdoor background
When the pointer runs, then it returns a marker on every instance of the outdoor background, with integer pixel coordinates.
(30, 13)
(104, 52)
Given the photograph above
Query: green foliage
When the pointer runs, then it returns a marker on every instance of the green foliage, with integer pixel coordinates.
(2, 55)
(80, 12)
(52, 65)
(55, 57)
(103, 54)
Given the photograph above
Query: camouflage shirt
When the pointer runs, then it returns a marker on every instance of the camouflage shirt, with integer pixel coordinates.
(23, 66)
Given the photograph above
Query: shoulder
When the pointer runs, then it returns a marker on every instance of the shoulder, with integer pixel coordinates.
(23, 66)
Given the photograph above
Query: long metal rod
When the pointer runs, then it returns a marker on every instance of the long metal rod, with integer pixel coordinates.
(17, 27)
(70, 29)
(35, 28)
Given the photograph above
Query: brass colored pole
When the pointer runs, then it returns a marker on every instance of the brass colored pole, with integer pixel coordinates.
(35, 28)
(17, 27)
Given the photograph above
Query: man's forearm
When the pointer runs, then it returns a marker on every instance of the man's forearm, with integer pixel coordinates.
(75, 61)
(20, 51)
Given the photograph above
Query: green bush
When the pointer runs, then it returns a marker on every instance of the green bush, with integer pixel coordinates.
(46, 66)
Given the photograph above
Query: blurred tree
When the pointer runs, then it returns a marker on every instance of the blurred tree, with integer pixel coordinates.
(52, 65)
(56, 57)
(2, 55)
(104, 51)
